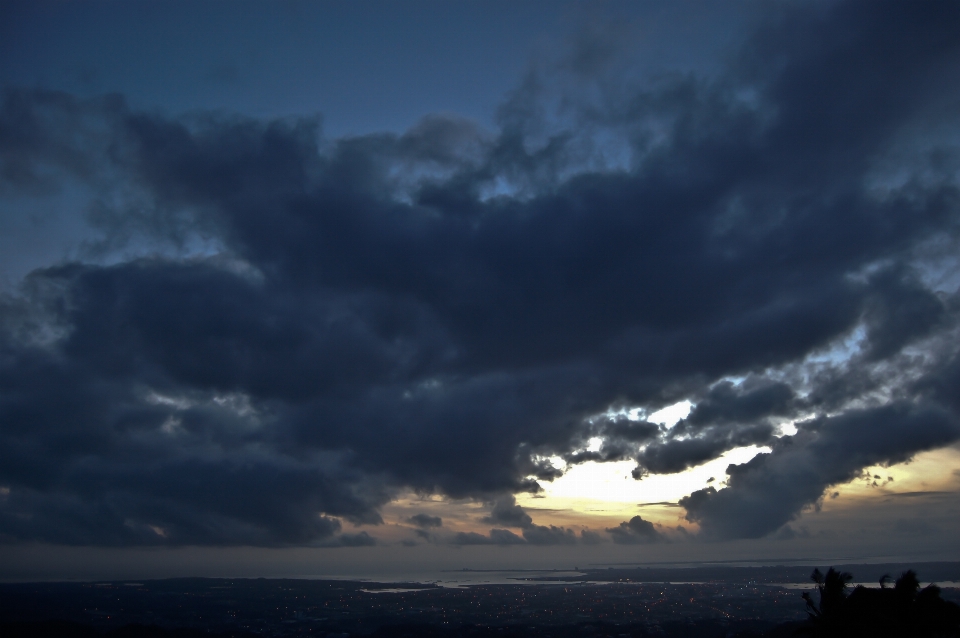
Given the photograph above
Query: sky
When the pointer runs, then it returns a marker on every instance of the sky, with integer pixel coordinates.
(380, 288)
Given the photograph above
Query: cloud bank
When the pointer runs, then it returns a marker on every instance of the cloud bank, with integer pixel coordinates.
(276, 332)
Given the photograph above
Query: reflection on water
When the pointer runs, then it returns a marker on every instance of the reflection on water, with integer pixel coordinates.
(947, 584)
(468, 577)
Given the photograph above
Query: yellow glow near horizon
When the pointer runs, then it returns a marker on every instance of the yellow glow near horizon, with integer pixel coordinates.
(602, 495)
(936, 470)
(599, 495)
(610, 488)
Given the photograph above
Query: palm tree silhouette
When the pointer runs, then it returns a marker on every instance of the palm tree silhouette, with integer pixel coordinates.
(833, 591)
(902, 611)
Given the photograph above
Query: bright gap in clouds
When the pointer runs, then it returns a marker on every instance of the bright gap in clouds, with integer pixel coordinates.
(669, 415)
(610, 487)
(612, 482)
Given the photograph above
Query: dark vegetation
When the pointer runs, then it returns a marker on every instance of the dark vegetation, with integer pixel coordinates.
(902, 610)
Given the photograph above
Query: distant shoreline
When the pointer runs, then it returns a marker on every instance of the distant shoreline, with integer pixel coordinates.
(945, 574)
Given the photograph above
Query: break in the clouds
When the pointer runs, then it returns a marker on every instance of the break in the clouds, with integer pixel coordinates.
(274, 332)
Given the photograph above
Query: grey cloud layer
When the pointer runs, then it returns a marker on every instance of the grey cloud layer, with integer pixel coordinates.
(368, 314)
(826, 451)
(634, 532)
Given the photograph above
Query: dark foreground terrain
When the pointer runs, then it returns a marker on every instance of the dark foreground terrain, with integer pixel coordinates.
(187, 608)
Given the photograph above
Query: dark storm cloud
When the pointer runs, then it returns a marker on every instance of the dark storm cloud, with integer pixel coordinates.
(634, 532)
(725, 404)
(506, 512)
(426, 521)
(496, 537)
(676, 455)
(727, 417)
(315, 324)
(532, 535)
(549, 535)
(771, 489)
(619, 440)
(902, 311)
(589, 537)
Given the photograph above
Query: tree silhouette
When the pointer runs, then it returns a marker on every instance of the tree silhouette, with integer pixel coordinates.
(904, 611)
(833, 591)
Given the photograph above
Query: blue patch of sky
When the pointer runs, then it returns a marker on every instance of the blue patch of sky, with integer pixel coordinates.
(367, 66)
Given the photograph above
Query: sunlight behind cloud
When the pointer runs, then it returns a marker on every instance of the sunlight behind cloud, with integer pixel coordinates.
(927, 472)
(585, 487)
(669, 415)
